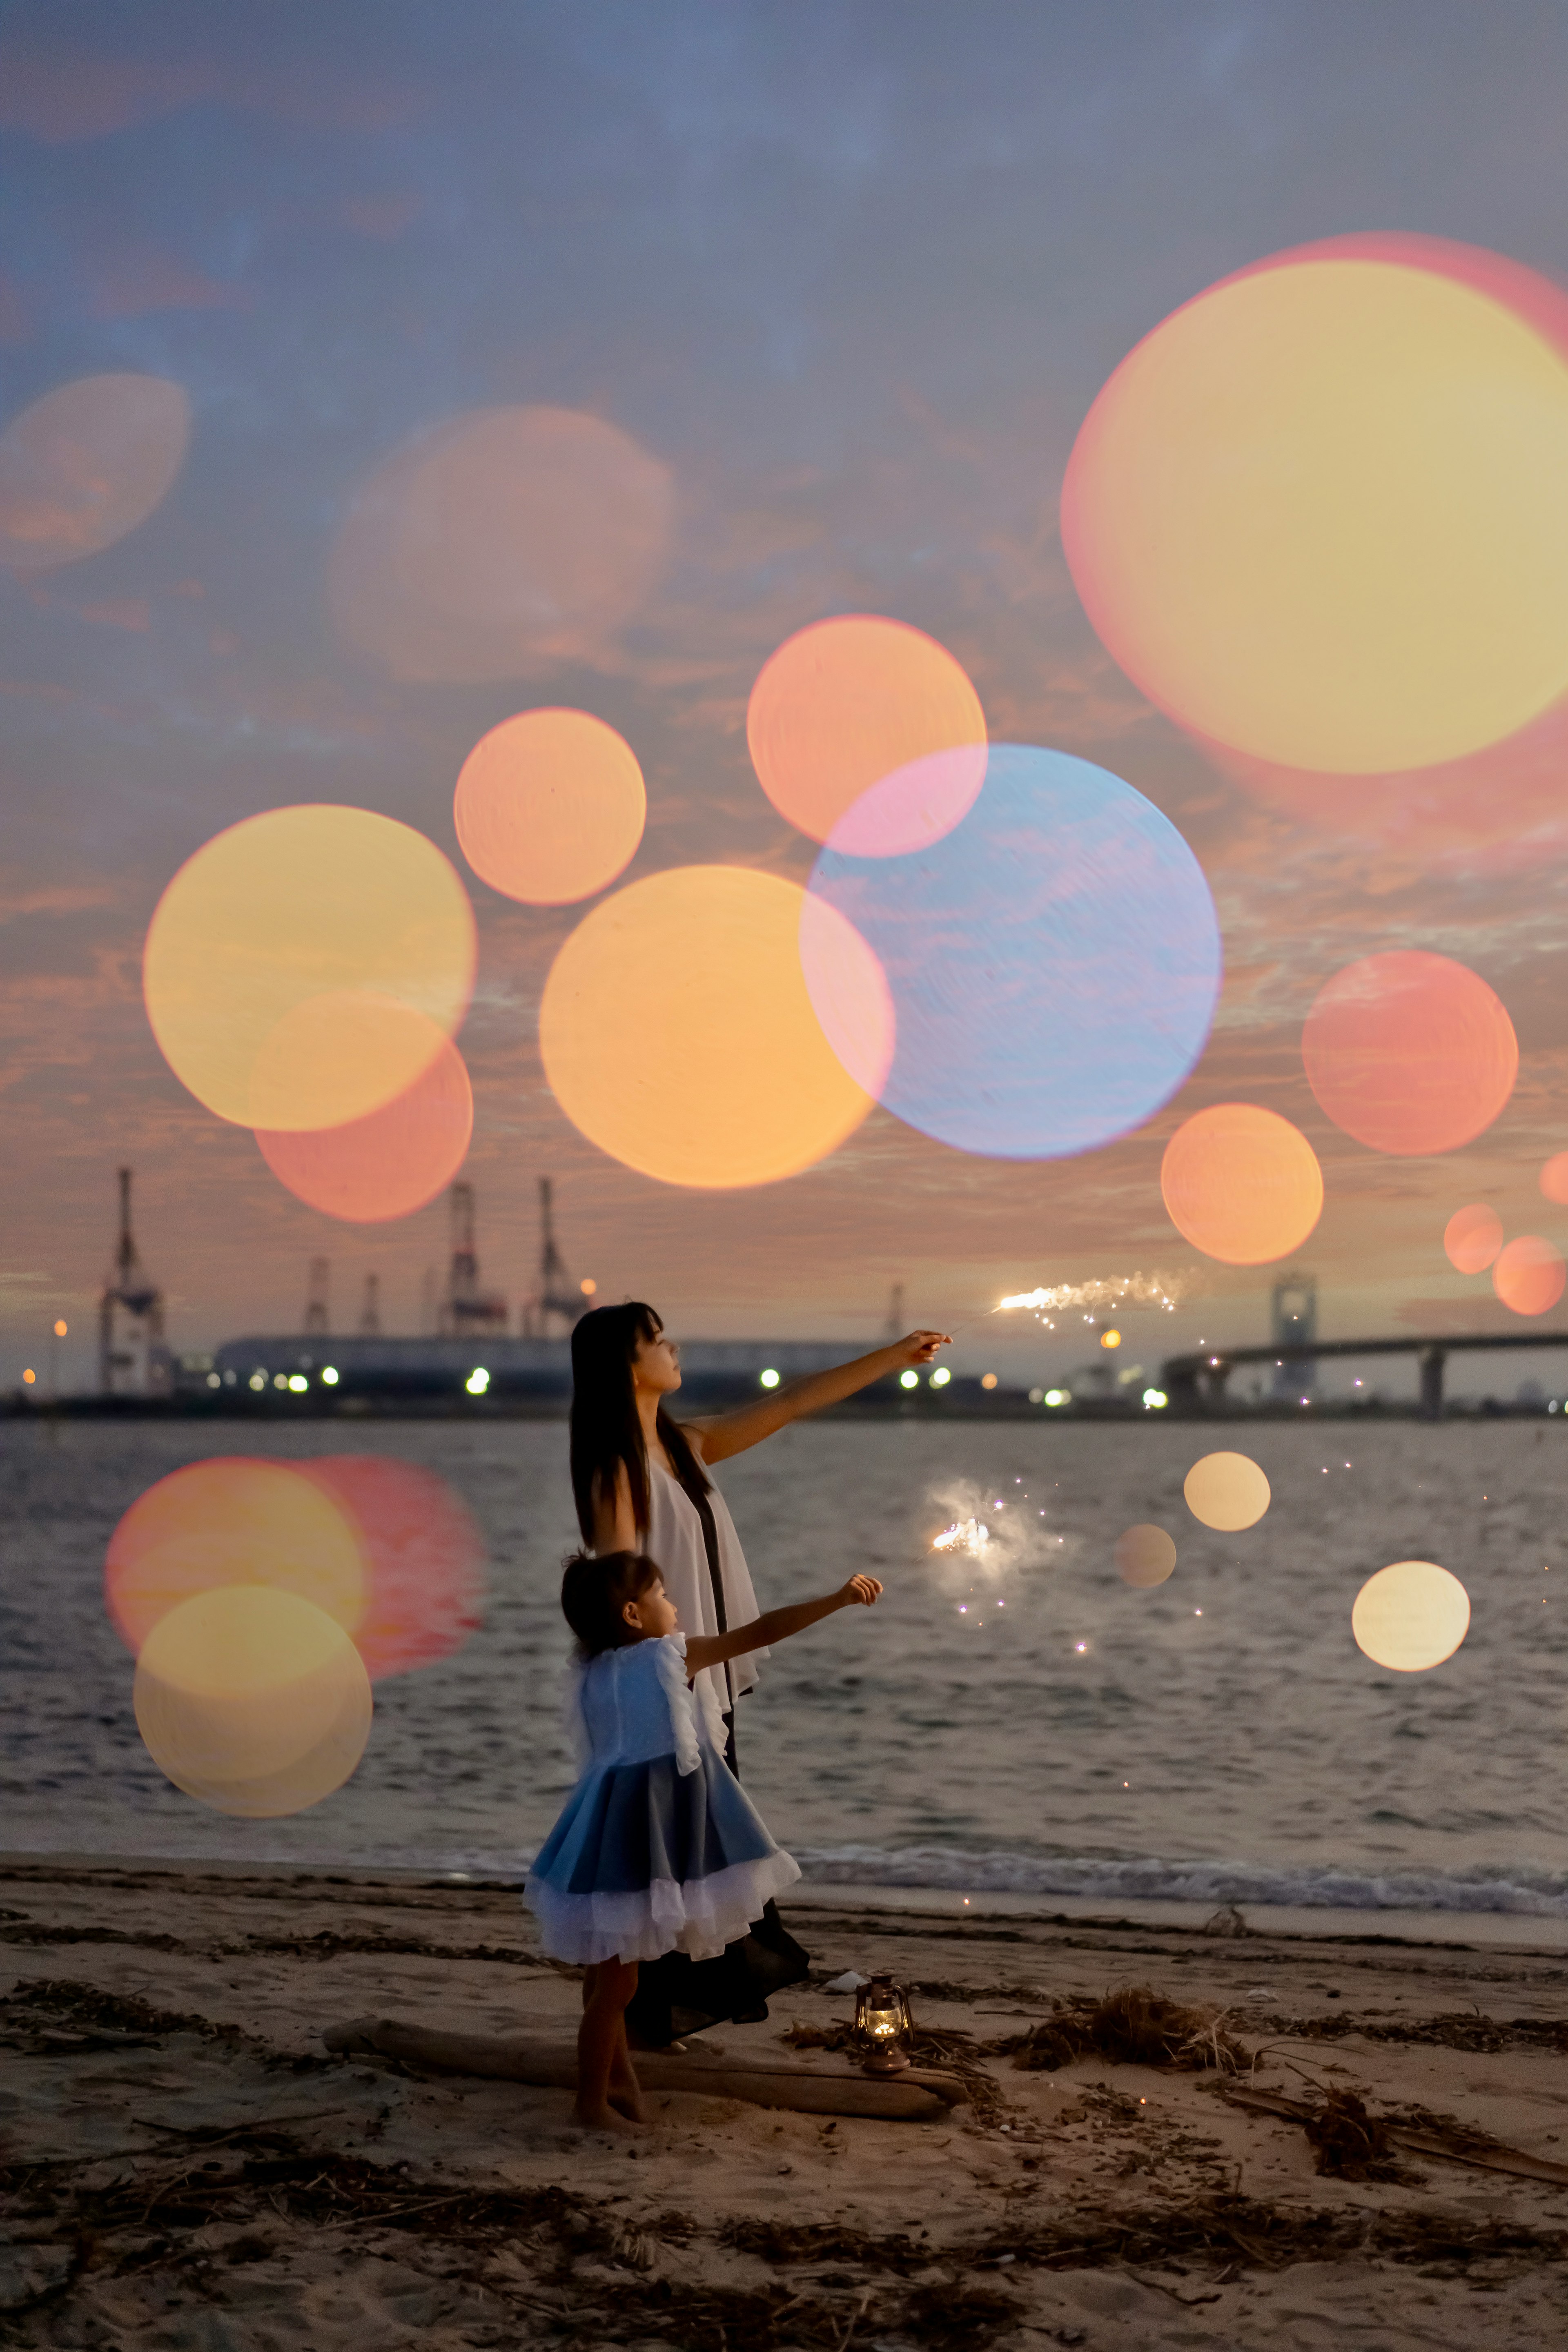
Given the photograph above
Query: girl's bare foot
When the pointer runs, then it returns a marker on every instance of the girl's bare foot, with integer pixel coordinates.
(602, 2118)
(626, 2100)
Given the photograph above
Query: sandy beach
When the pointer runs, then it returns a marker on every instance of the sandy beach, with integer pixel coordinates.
(185, 2164)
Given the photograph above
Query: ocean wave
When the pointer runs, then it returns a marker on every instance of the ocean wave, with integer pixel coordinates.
(1313, 1886)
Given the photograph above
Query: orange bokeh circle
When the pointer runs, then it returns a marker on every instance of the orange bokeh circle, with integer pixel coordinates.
(86, 464)
(1241, 1183)
(302, 967)
(1472, 1238)
(393, 1160)
(1409, 1052)
(734, 1082)
(233, 1521)
(1528, 1276)
(1554, 1179)
(845, 703)
(499, 539)
(550, 806)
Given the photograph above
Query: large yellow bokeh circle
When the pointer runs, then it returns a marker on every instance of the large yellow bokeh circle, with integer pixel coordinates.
(1410, 1617)
(678, 1037)
(303, 967)
(252, 1700)
(1321, 514)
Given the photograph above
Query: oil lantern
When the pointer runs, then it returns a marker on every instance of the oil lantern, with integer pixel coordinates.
(883, 2025)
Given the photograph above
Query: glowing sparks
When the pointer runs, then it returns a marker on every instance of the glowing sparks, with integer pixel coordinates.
(1156, 1289)
(964, 1534)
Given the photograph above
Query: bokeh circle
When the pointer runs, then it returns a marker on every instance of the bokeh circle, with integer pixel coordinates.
(391, 1161)
(1144, 1557)
(302, 967)
(1411, 1616)
(734, 1082)
(1054, 960)
(1529, 1274)
(232, 1520)
(550, 806)
(252, 1700)
(1321, 514)
(1227, 1491)
(1472, 1237)
(87, 464)
(1241, 1183)
(846, 704)
(1554, 1179)
(499, 540)
(1409, 1052)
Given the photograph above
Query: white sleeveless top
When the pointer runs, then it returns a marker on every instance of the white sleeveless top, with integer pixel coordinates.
(675, 1541)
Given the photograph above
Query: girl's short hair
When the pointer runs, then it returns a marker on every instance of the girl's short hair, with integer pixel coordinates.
(594, 1591)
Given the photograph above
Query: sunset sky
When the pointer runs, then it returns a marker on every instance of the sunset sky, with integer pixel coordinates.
(853, 272)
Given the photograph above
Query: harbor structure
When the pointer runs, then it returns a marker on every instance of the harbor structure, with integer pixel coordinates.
(132, 1359)
(468, 1311)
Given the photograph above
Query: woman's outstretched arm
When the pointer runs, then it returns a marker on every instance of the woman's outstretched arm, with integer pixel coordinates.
(719, 1434)
(777, 1625)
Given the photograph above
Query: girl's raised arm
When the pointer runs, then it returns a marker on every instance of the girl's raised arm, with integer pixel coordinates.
(777, 1625)
(721, 1434)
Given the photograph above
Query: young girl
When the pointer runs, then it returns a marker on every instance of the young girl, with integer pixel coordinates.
(658, 1849)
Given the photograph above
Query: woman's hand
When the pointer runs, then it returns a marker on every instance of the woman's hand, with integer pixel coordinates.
(866, 1590)
(920, 1346)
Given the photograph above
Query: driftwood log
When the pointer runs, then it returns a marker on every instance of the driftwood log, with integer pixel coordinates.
(922, 2095)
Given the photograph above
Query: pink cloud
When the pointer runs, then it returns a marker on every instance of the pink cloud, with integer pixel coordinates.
(133, 279)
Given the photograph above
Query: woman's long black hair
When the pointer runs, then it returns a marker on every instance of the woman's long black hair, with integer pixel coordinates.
(606, 1430)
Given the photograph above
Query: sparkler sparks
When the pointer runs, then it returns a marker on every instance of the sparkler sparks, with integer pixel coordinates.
(1156, 1289)
(964, 1534)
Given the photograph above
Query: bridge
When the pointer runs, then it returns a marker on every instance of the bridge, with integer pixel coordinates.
(1196, 1383)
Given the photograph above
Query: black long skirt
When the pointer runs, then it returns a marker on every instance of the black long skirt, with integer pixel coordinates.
(677, 1996)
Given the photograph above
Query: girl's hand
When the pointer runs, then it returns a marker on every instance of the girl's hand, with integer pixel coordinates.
(920, 1346)
(863, 1589)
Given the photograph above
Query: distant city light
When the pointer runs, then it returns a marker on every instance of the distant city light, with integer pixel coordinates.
(477, 1381)
(1155, 1398)
(214, 1381)
(1111, 1338)
(257, 1381)
(987, 1379)
(330, 1375)
(298, 1383)
(588, 1285)
(1058, 1396)
(940, 1377)
(770, 1378)
(908, 1380)
(279, 1380)
(1036, 1396)
(59, 1330)
(29, 1378)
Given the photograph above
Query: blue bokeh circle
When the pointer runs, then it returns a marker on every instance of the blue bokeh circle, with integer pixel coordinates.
(1054, 960)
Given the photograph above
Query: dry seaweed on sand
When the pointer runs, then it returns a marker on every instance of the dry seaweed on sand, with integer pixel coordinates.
(1358, 2146)
(1134, 2027)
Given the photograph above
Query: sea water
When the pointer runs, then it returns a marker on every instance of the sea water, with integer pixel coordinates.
(1021, 1723)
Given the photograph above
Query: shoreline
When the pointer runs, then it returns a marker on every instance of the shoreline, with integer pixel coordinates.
(1418, 1927)
(183, 2160)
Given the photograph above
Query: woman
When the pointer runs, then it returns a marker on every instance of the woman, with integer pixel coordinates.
(641, 1483)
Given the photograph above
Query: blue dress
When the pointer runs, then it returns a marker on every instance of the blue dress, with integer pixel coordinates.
(658, 1849)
